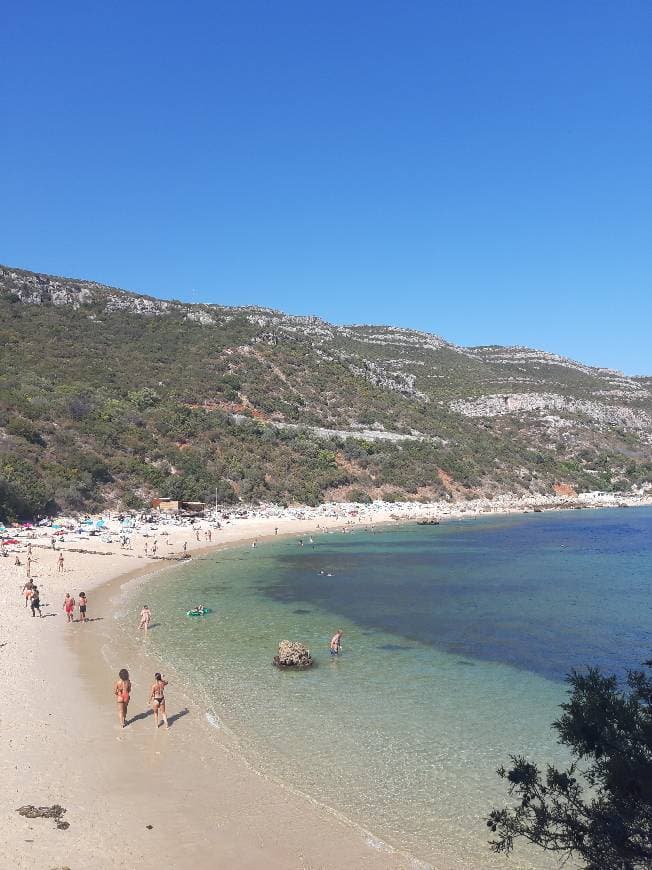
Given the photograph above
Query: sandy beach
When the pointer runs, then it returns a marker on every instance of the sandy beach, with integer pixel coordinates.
(136, 797)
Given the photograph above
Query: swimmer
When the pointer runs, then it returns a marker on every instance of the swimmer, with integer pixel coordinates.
(145, 618)
(336, 642)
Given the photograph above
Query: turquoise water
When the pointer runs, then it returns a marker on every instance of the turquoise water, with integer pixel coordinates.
(456, 642)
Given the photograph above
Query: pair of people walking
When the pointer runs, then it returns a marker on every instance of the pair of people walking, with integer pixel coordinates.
(122, 691)
(69, 607)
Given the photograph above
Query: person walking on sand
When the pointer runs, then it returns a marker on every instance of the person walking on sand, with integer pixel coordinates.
(145, 547)
(83, 601)
(122, 692)
(60, 564)
(157, 700)
(154, 547)
(69, 607)
(35, 602)
(29, 566)
(145, 618)
(336, 642)
(28, 589)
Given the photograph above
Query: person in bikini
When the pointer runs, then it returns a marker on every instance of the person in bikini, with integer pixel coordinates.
(28, 589)
(122, 692)
(145, 617)
(69, 607)
(83, 601)
(157, 699)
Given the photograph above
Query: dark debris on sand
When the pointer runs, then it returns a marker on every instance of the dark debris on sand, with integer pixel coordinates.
(55, 812)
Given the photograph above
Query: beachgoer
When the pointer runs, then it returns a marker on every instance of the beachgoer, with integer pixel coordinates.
(60, 563)
(28, 588)
(29, 549)
(336, 642)
(210, 536)
(157, 699)
(276, 531)
(83, 601)
(29, 566)
(122, 693)
(69, 607)
(154, 545)
(35, 602)
(253, 545)
(53, 543)
(17, 560)
(197, 534)
(185, 546)
(145, 547)
(145, 617)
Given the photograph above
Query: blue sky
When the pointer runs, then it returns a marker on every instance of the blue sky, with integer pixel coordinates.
(482, 170)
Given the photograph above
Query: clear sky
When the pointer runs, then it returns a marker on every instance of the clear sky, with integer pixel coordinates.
(481, 169)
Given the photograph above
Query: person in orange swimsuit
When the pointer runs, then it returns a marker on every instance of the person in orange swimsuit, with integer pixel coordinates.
(122, 692)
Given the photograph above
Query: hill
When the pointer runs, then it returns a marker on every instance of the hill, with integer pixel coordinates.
(108, 397)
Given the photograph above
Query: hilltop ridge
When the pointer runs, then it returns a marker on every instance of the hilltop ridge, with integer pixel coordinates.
(167, 396)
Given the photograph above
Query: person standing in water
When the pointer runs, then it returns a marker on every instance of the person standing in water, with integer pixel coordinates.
(157, 699)
(83, 601)
(145, 618)
(336, 642)
(122, 692)
(69, 607)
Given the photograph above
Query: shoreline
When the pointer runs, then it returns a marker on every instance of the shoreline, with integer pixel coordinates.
(63, 719)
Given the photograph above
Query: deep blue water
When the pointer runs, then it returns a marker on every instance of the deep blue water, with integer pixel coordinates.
(544, 592)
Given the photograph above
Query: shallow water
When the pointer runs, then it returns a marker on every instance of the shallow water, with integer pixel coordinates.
(456, 642)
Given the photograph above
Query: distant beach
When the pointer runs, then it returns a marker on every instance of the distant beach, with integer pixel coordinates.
(61, 742)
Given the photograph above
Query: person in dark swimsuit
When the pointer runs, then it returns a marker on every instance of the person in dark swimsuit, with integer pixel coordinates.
(157, 699)
(83, 601)
(35, 602)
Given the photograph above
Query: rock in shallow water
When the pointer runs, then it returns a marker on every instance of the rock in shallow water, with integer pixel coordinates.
(292, 654)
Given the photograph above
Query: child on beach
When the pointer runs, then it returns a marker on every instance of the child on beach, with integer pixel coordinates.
(83, 601)
(69, 607)
(145, 618)
(336, 642)
(157, 699)
(122, 692)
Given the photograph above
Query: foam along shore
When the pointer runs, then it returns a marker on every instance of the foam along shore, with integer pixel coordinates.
(134, 796)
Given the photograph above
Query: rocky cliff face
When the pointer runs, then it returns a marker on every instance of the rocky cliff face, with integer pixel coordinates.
(477, 383)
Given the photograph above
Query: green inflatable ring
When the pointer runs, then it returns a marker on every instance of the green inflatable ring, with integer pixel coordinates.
(202, 612)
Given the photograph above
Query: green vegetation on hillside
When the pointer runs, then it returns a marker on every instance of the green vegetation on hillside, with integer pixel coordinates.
(106, 407)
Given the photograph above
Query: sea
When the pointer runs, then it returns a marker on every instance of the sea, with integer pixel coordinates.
(458, 639)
